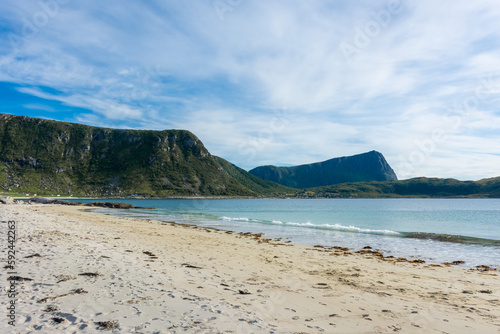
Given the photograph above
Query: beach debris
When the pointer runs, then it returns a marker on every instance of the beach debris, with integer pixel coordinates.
(148, 253)
(32, 255)
(369, 251)
(187, 265)
(244, 292)
(107, 325)
(417, 261)
(96, 274)
(367, 247)
(18, 278)
(342, 249)
(51, 308)
(454, 263)
(64, 278)
(483, 268)
(467, 292)
(486, 291)
(72, 292)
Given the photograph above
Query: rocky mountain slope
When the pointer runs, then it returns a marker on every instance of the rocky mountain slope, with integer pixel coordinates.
(50, 157)
(370, 166)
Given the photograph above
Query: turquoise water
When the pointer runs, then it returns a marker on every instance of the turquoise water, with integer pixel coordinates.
(435, 230)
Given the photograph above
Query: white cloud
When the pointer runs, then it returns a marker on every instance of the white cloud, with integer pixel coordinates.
(38, 106)
(173, 64)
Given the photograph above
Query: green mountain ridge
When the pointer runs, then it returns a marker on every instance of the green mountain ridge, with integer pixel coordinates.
(51, 157)
(370, 166)
(415, 187)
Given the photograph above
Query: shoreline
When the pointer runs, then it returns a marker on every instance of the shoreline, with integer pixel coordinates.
(66, 197)
(366, 250)
(218, 277)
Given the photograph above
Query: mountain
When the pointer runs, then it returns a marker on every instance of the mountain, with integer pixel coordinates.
(416, 187)
(254, 183)
(50, 157)
(370, 166)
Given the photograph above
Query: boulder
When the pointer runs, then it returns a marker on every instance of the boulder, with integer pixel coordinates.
(6, 200)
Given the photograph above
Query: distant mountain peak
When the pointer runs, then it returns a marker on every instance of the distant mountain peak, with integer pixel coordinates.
(369, 166)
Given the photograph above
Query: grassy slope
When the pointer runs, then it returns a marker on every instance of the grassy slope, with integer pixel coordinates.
(50, 157)
(254, 183)
(416, 187)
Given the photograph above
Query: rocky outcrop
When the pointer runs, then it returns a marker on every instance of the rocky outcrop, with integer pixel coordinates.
(6, 200)
(370, 166)
(110, 205)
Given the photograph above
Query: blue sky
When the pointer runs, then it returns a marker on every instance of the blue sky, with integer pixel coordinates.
(269, 82)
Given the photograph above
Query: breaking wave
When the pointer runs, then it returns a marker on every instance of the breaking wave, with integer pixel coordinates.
(459, 239)
(332, 227)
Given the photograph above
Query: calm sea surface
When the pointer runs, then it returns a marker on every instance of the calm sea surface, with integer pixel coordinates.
(435, 230)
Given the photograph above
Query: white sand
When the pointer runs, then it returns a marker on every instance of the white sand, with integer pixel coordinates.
(291, 288)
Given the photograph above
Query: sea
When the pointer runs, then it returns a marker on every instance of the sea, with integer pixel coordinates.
(433, 230)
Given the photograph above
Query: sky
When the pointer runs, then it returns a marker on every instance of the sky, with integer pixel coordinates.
(280, 82)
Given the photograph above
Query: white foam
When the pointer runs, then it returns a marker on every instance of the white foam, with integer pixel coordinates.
(333, 227)
(337, 227)
(243, 219)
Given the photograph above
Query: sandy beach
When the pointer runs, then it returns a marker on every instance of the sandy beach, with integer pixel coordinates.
(83, 272)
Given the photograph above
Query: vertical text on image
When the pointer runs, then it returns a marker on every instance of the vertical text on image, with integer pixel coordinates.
(11, 267)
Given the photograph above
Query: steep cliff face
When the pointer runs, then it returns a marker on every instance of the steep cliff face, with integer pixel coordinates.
(46, 157)
(370, 166)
